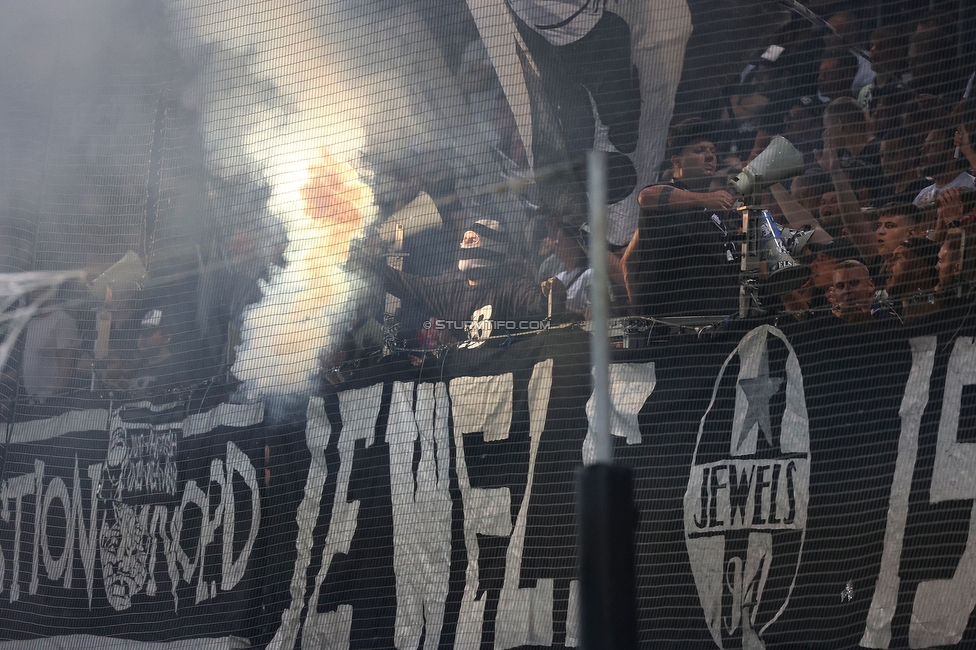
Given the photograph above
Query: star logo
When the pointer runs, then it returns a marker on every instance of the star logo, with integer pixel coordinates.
(759, 391)
(746, 510)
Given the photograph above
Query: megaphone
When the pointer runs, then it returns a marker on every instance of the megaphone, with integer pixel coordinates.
(783, 273)
(796, 240)
(125, 275)
(777, 161)
(416, 217)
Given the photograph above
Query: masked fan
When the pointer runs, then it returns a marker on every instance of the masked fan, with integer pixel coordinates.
(484, 287)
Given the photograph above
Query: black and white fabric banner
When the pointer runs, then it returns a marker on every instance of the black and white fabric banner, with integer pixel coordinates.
(797, 487)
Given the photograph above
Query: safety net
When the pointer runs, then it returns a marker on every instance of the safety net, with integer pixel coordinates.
(298, 301)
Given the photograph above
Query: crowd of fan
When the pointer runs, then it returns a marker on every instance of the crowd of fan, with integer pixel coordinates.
(888, 185)
(886, 197)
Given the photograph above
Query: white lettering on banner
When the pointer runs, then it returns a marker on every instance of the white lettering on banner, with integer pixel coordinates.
(358, 410)
(487, 511)
(483, 404)
(877, 630)
(737, 505)
(525, 614)
(421, 511)
(572, 616)
(328, 630)
(125, 537)
(129, 540)
(941, 608)
(233, 570)
(56, 491)
(317, 432)
(123, 533)
(208, 527)
(630, 386)
(16, 489)
(744, 494)
(28, 485)
(38, 491)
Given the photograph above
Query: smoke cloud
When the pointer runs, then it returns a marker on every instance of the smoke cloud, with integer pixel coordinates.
(302, 103)
(278, 113)
(82, 86)
(264, 136)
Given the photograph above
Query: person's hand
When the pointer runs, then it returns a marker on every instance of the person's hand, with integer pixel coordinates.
(827, 157)
(835, 307)
(950, 206)
(553, 285)
(961, 140)
(367, 251)
(557, 290)
(799, 300)
(717, 200)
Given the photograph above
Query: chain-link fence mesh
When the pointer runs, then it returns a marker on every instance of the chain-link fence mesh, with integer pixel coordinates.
(297, 301)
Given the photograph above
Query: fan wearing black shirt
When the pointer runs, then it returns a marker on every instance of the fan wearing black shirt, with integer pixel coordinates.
(899, 162)
(858, 151)
(483, 286)
(680, 260)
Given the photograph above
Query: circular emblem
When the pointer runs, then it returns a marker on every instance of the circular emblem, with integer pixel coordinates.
(745, 508)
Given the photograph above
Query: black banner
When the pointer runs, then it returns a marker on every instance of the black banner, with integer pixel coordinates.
(798, 486)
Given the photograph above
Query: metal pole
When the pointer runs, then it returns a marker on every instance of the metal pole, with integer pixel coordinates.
(604, 491)
(596, 163)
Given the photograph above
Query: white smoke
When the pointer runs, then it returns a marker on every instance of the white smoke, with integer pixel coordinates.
(293, 98)
(279, 108)
(81, 86)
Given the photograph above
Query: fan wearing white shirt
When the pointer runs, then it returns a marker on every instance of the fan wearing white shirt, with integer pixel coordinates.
(938, 163)
(577, 276)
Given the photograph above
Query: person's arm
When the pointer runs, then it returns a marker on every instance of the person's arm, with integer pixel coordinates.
(961, 140)
(659, 198)
(950, 210)
(615, 268)
(628, 265)
(856, 223)
(529, 302)
(797, 216)
(414, 287)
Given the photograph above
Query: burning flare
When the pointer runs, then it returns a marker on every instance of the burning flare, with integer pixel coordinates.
(308, 305)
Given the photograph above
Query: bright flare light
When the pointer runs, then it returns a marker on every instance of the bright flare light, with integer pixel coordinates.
(308, 305)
